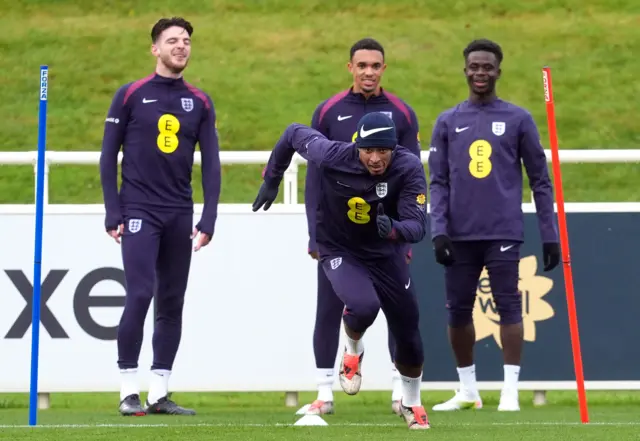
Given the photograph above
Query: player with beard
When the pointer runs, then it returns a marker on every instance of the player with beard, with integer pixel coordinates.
(157, 122)
(475, 164)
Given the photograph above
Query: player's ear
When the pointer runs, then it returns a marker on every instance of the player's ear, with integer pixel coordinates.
(154, 50)
(499, 73)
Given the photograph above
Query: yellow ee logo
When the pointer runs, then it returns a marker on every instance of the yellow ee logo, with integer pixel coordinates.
(480, 164)
(168, 126)
(534, 308)
(358, 211)
(355, 135)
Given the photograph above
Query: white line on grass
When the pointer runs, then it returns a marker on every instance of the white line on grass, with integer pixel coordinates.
(238, 425)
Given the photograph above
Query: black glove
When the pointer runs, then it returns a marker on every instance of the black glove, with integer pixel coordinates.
(550, 255)
(266, 195)
(385, 225)
(443, 250)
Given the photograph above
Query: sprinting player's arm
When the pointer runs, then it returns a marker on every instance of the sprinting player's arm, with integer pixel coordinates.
(310, 144)
(211, 171)
(439, 179)
(411, 225)
(115, 127)
(535, 163)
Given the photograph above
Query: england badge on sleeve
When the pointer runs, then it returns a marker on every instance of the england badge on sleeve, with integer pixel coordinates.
(381, 189)
(498, 128)
(187, 104)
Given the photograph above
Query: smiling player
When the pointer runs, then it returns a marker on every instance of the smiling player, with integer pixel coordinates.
(337, 118)
(476, 153)
(157, 121)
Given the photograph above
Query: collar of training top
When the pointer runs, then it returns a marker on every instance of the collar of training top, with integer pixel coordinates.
(359, 97)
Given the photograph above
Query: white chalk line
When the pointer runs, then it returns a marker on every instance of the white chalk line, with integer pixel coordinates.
(240, 425)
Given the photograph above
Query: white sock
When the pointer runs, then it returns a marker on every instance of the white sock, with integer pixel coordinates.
(467, 377)
(354, 347)
(396, 381)
(158, 385)
(511, 375)
(128, 383)
(325, 379)
(411, 391)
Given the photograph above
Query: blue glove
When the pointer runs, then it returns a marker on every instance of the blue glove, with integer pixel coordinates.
(385, 225)
(266, 195)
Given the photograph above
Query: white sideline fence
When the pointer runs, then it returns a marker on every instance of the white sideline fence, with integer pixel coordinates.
(290, 180)
(289, 207)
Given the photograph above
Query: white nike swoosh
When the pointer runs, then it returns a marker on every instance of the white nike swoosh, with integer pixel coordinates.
(364, 133)
(503, 248)
(342, 118)
(458, 130)
(408, 284)
(145, 101)
(306, 146)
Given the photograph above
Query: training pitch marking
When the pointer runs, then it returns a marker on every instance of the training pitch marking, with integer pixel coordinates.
(142, 426)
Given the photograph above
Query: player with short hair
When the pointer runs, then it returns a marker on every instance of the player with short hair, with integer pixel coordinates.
(372, 205)
(157, 121)
(336, 118)
(475, 164)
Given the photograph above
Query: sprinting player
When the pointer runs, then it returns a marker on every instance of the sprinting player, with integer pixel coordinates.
(476, 153)
(157, 121)
(336, 118)
(371, 205)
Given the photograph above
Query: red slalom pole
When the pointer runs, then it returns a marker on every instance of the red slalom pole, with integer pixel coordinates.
(564, 244)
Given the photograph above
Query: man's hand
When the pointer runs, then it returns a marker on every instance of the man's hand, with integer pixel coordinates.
(266, 196)
(314, 255)
(551, 255)
(385, 225)
(443, 250)
(202, 239)
(116, 234)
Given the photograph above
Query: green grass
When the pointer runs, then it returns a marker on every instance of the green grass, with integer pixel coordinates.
(263, 416)
(269, 63)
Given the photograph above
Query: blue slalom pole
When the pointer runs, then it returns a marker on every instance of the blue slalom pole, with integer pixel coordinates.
(37, 255)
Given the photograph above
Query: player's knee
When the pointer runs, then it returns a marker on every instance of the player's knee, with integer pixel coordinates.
(509, 308)
(136, 304)
(460, 315)
(361, 315)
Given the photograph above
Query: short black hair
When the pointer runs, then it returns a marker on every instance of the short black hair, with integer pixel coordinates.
(483, 45)
(367, 44)
(165, 23)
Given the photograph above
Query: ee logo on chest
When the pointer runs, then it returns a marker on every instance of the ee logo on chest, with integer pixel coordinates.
(358, 210)
(480, 165)
(168, 126)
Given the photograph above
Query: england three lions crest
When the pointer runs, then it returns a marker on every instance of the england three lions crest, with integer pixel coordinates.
(187, 104)
(498, 128)
(381, 189)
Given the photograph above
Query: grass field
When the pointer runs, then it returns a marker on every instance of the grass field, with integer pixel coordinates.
(263, 416)
(269, 63)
